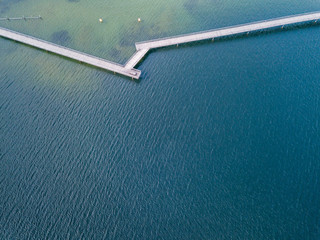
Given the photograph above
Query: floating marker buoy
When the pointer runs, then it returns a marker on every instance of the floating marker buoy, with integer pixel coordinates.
(100, 20)
(139, 19)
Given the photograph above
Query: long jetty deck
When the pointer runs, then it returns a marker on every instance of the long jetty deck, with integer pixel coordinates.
(69, 53)
(143, 47)
(229, 31)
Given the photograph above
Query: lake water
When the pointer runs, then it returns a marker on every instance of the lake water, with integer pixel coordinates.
(217, 141)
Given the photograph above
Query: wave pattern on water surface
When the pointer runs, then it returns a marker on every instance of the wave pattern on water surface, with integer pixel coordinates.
(218, 141)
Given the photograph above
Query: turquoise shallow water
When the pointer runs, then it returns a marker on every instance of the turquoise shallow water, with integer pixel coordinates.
(217, 141)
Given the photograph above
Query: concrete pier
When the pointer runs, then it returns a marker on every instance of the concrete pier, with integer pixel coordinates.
(69, 53)
(144, 47)
(228, 31)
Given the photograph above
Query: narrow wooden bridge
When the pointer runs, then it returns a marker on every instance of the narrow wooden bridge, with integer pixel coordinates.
(20, 18)
(144, 47)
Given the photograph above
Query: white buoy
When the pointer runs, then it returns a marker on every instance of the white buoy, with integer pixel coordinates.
(100, 20)
(139, 19)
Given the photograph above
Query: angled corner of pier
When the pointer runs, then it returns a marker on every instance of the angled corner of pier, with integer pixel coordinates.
(136, 58)
(142, 48)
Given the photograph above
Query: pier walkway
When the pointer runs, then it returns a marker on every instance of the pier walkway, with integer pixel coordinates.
(225, 32)
(69, 53)
(143, 47)
(229, 31)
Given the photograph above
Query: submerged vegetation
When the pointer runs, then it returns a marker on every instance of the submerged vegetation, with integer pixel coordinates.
(61, 37)
(5, 5)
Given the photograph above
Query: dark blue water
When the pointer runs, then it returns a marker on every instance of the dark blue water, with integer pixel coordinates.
(217, 141)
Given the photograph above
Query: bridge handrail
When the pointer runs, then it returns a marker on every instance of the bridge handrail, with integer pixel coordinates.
(59, 46)
(223, 28)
